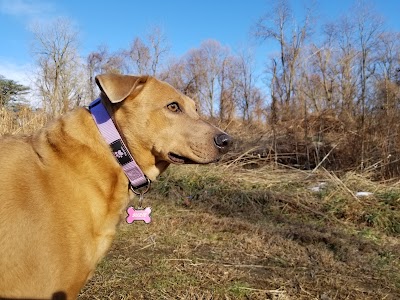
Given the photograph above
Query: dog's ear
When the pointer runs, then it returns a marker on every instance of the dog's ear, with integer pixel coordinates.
(119, 87)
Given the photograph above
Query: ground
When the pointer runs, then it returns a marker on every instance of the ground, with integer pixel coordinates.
(224, 232)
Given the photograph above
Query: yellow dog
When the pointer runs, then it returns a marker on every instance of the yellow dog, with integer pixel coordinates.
(62, 191)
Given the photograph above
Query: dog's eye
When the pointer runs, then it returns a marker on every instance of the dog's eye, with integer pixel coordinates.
(174, 107)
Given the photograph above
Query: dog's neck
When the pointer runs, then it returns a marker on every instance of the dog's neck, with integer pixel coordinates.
(111, 135)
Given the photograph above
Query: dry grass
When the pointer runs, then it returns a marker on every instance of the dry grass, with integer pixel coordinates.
(227, 233)
(21, 122)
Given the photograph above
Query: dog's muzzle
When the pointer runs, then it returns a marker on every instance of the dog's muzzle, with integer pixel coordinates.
(223, 142)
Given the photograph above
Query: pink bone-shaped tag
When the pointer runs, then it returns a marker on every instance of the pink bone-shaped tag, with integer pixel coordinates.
(138, 215)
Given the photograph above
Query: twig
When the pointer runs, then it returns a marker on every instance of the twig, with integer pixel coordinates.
(145, 247)
(26, 124)
(292, 168)
(337, 180)
(225, 264)
(264, 291)
(325, 157)
(153, 242)
(241, 156)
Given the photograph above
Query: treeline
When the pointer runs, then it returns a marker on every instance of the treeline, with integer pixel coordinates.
(335, 95)
(223, 84)
(329, 96)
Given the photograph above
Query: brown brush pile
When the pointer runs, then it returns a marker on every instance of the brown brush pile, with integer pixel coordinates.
(323, 139)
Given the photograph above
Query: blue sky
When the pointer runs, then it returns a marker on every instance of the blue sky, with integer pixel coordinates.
(185, 23)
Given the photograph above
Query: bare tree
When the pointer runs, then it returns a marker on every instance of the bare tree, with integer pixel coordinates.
(200, 72)
(228, 81)
(317, 78)
(159, 49)
(178, 75)
(210, 75)
(354, 40)
(387, 96)
(147, 56)
(369, 27)
(102, 61)
(139, 55)
(210, 56)
(249, 94)
(59, 68)
(277, 25)
(341, 44)
(273, 120)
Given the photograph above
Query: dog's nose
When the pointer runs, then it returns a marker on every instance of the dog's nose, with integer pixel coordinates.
(223, 142)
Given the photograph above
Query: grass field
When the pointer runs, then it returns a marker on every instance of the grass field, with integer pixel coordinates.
(228, 232)
(222, 232)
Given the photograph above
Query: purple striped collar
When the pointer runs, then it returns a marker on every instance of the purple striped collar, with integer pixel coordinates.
(110, 133)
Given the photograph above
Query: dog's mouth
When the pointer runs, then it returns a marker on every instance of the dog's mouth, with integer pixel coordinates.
(178, 159)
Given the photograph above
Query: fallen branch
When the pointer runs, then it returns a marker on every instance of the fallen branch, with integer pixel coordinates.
(263, 291)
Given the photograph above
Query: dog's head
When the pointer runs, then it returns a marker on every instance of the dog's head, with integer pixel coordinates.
(159, 124)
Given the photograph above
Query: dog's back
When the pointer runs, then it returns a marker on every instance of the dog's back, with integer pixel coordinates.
(62, 192)
(24, 217)
(42, 211)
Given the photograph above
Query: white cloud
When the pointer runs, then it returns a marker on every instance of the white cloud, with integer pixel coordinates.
(25, 8)
(19, 73)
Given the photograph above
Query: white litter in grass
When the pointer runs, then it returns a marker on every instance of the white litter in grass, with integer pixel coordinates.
(363, 194)
(315, 189)
(319, 187)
